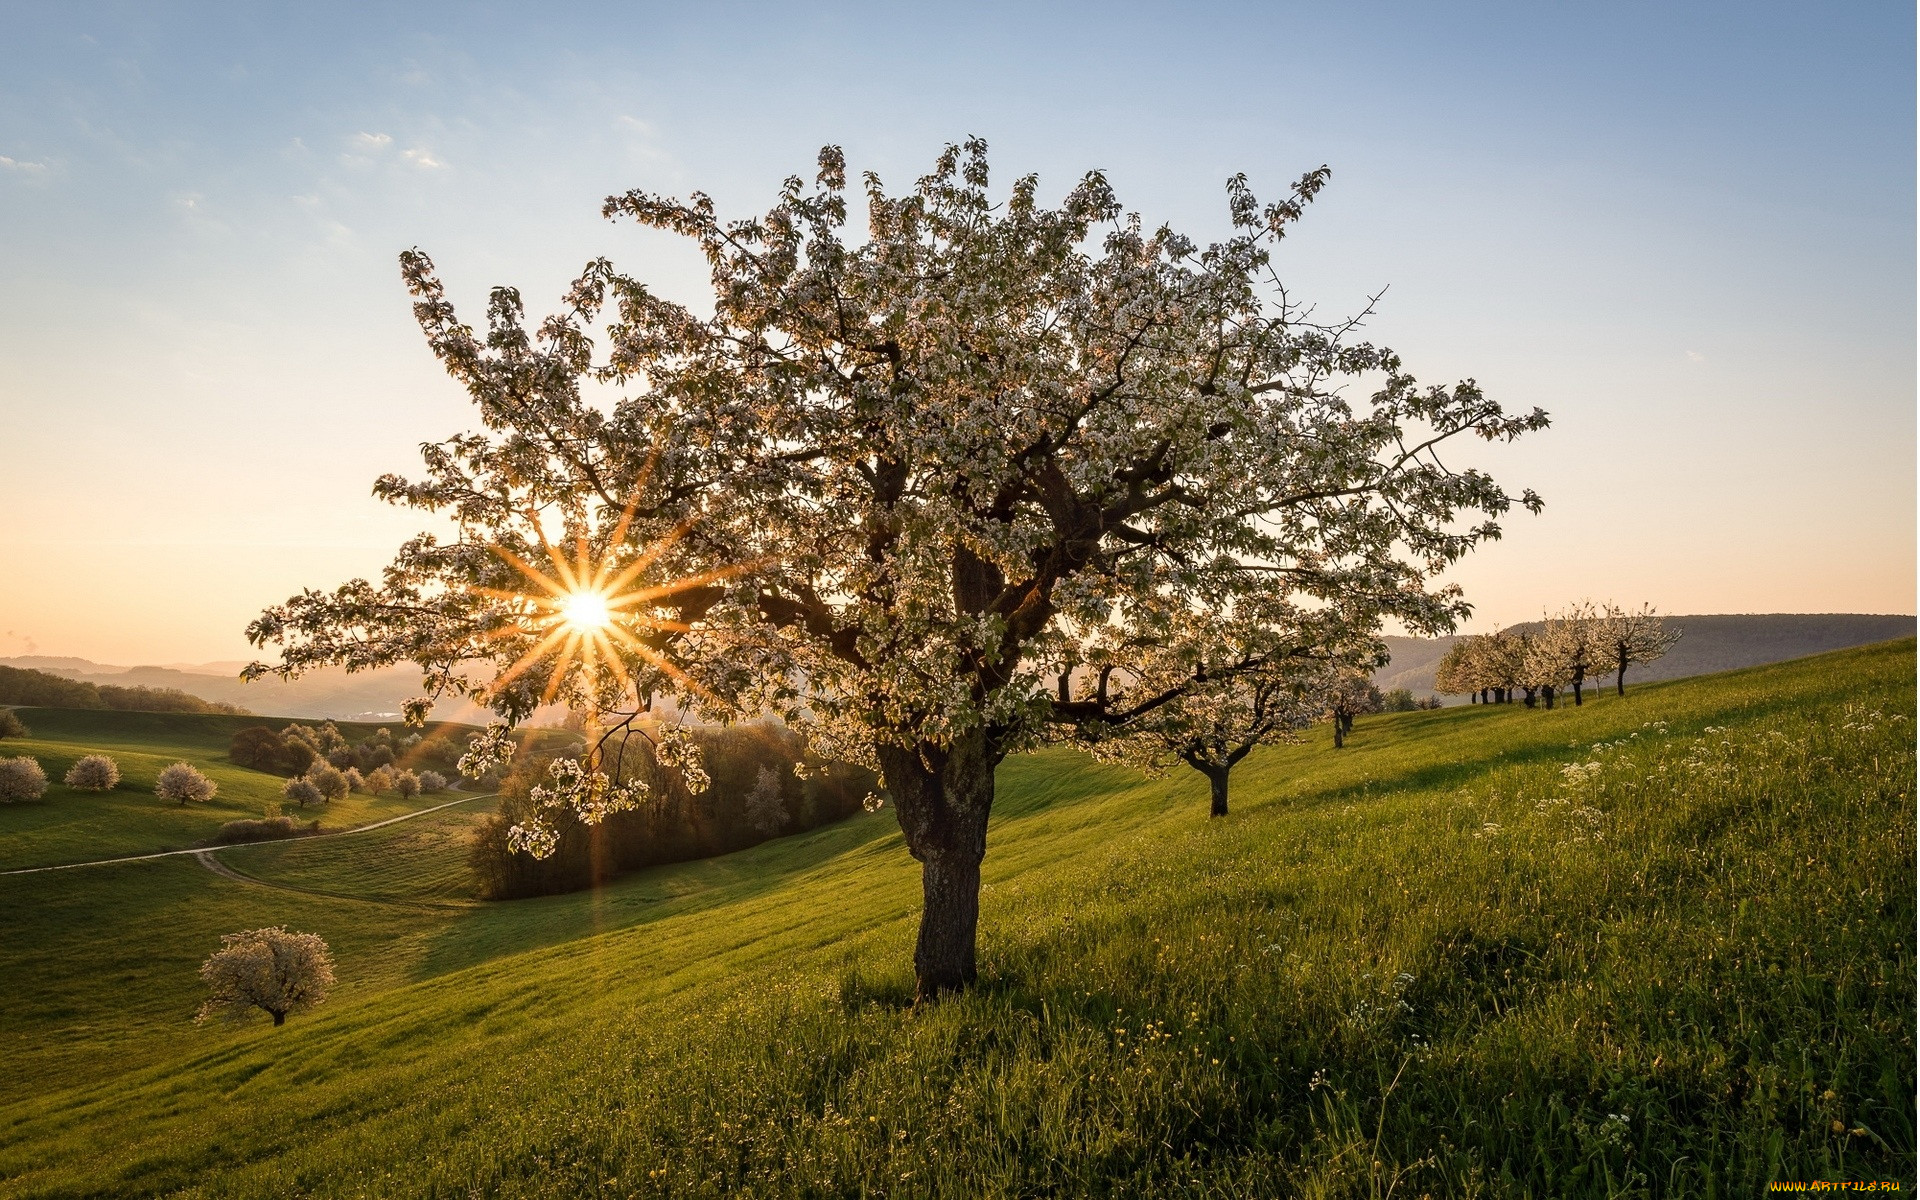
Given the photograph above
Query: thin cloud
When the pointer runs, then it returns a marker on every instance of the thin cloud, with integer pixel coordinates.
(21, 165)
(373, 141)
(1695, 356)
(421, 157)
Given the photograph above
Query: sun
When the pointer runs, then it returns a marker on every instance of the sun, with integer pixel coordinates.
(585, 612)
(589, 612)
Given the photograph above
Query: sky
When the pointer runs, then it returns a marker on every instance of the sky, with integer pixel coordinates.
(1686, 230)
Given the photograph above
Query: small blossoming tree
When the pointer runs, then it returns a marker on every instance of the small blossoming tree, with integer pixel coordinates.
(1347, 692)
(766, 808)
(301, 791)
(885, 487)
(93, 773)
(330, 781)
(1569, 648)
(22, 778)
(182, 783)
(271, 970)
(1629, 636)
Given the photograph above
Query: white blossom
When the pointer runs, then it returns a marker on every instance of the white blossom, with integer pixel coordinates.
(93, 773)
(182, 783)
(270, 969)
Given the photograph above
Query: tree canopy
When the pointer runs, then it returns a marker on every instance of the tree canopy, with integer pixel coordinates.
(895, 490)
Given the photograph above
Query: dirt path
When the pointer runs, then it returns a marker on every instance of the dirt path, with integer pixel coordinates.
(209, 850)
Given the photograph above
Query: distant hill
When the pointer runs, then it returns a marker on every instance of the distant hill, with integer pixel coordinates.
(329, 693)
(1707, 644)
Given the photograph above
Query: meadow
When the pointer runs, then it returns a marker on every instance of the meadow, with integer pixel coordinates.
(1659, 945)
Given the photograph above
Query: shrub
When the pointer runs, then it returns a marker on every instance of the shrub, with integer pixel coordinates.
(94, 773)
(268, 969)
(267, 830)
(10, 724)
(21, 779)
(356, 782)
(271, 828)
(432, 781)
(380, 779)
(407, 784)
(301, 791)
(181, 783)
(327, 780)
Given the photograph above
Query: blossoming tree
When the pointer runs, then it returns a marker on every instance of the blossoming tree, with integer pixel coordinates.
(1253, 673)
(269, 969)
(1628, 636)
(1568, 648)
(882, 486)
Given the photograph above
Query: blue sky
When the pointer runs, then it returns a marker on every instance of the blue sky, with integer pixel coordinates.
(1686, 230)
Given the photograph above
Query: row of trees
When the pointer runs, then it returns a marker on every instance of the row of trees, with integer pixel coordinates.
(23, 778)
(323, 782)
(995, 475)
(291, 751)
(1562, 652)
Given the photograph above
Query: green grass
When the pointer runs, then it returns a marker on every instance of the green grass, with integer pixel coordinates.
(1432, 963)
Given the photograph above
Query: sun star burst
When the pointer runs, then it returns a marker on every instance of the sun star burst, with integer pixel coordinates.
(587, 610)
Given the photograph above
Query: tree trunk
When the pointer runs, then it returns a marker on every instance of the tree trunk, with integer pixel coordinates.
(1546, 693)
(1339, 733)
(1217, 777)
(942, 796)
(1620, 681)
(279, 1018)
(1579, 677)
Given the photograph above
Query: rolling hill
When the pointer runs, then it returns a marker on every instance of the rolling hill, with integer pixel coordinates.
(326, 694)
(1659, 945)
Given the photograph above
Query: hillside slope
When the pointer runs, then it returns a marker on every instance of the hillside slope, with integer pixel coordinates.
(1657, 945)
(1708, 644)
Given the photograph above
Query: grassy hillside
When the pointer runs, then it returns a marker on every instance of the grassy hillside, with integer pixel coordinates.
(1656, 946)
(1708, 644)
